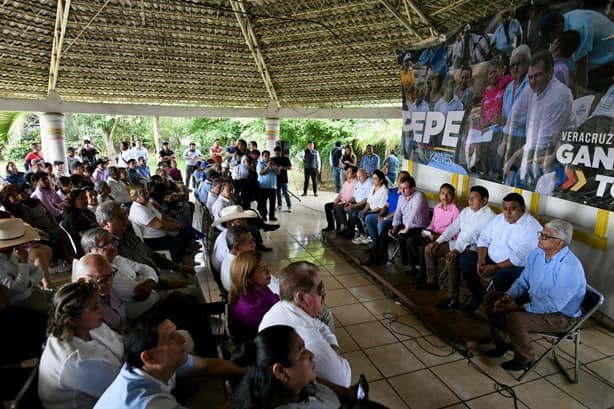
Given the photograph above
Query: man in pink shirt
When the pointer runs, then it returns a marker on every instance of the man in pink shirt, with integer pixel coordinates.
(334, 210)
(216, 152)
(48, 197)
(444, 213)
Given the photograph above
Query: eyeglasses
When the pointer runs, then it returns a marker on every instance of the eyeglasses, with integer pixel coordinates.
(108, 245)
(544, 236)
(106, 278)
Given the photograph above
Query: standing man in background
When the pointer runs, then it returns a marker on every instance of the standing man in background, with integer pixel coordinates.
(284, 165)
(370, 160)
(391, 165)
(312, 164)
(165, 154)
(34, 154)
(335, 162)
(139, 151)
(191, 156)
(216, 152)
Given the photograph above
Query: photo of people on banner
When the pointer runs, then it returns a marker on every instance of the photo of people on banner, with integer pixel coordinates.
(524, 98)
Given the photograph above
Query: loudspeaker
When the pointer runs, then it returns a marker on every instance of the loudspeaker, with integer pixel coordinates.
(285, 147)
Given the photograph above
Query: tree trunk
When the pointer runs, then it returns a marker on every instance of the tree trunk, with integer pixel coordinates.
(156, 132)
(108, 139)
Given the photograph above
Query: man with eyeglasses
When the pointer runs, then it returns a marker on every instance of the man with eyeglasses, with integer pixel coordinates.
(301, 302)
(95, 267)
(545, 298)
(503, 248)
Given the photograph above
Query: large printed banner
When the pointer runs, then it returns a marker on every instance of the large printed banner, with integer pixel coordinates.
(524, 98)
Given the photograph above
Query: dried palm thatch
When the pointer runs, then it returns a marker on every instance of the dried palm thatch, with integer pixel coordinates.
(298, 53)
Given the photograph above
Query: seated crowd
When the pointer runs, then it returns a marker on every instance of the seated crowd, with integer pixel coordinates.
(131, 326)
(524, 275)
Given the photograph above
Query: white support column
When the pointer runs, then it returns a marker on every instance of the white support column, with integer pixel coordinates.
(271, 131)
(52, 137)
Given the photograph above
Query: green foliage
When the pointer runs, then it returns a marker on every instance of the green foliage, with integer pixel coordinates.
(28, 134)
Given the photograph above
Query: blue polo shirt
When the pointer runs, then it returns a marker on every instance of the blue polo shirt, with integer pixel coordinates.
(269, 179)
(370, 163)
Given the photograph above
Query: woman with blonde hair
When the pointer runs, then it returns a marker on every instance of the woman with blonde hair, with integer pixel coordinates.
(250, 297)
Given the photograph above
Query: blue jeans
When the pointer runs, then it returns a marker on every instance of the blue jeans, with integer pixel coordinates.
(283, 187)
(337, 178)
(375, 228)
(392, 176)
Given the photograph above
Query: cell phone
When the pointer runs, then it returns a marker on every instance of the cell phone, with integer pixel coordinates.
(362, 393)
(427, 232)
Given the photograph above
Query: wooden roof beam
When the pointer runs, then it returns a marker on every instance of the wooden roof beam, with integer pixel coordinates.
(401, 18)
(419, 12)
(252, 43)
(61, 20)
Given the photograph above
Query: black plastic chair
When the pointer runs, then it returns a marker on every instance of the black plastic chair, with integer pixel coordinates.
(592, 301)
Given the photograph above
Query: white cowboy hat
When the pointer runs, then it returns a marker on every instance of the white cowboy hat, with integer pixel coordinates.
(234, 212)
(14, 232)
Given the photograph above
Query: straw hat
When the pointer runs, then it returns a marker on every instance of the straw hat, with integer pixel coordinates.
(232, 213)
(14, 232)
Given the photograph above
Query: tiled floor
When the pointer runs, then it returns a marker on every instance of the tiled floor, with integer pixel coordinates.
(409, 367)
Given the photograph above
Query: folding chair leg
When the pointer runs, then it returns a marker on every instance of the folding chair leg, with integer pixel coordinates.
(533, 365)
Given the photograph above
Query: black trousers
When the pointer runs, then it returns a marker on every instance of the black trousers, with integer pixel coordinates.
(406, 256)
(310, 173)
(265, 195)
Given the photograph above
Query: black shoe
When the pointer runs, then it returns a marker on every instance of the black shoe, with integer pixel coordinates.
(270, 227)
(472, 305)
(427, 286)
(514, 365)
(304, 194)
(273, 219)
(327, 229)
(497, 352)
(449, 304)
(215, 308)
(263, 249)
(315, 195)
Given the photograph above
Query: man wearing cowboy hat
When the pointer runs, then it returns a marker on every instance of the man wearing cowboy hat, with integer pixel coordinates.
(235, 216)
(230, 217)
(20, 277)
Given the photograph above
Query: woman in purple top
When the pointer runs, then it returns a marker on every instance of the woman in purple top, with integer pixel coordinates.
(174, 173)
(250, 297)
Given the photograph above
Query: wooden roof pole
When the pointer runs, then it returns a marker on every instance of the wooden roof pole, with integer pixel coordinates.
(252, 43)
(419, 12)
(61, 20)
(401, 18)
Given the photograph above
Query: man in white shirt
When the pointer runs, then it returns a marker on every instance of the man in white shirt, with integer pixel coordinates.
(191, 156)
(358, 201)
(233, 216)
(459, 237)
(503, 247)
(139, 151)
(238, 240)
(301, 302)
(133, 282)
(549, 111)
(224, 199)
(159, 232)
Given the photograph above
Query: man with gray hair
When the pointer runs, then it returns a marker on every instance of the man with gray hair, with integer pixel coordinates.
(114, 219)
(96, 268)
(301, 303)
(545, 298)
(134, 282)
(515, 105)
(238, 240)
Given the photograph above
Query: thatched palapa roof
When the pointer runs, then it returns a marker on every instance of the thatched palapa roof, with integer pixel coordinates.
(298, 53)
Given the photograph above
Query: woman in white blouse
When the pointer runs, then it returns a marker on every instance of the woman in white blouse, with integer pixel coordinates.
(82, 355)
(378, 196)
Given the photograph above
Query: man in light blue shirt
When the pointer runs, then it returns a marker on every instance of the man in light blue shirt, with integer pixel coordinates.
(507, 34)
(155, 353)
(267, 178)
(545, 298)
(370, 160)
